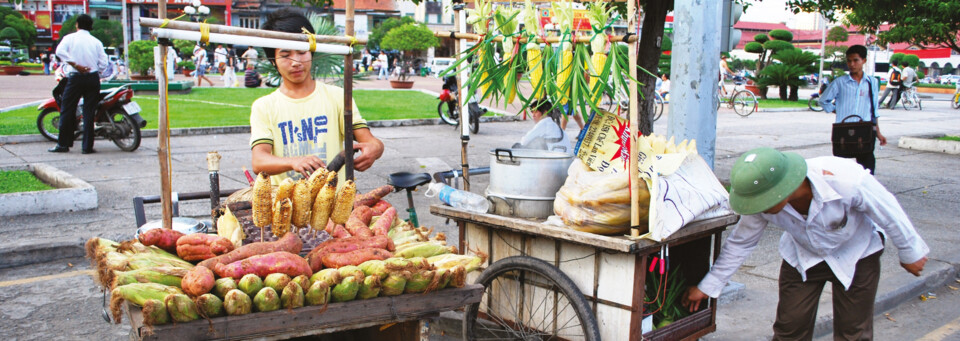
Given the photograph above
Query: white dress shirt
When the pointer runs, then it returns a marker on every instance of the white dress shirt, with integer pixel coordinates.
(551, 134)
(853, 98)
(83, 49)
(848, 207)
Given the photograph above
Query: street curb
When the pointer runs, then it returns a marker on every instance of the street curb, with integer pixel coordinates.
(783, 110)
(930, 145)
(21, 255)
(21, 106)
(69, 193)
(246, 129)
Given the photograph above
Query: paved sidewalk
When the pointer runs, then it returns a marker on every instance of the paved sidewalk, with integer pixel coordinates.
(925, 183)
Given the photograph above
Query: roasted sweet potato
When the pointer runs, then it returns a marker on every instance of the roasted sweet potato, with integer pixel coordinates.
(336, 260)
(197, 281)
(382, 226)
(290, 242)
(202, 246)
(380, 207)
(165, 239)
(263, 265)
(356, 227)
(340, 232)
(370, 198)
(315, 257)
(364, 213)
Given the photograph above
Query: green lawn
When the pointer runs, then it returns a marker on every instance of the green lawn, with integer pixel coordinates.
(949, 138)
(207, 107)
(776, 103)
(20, 181)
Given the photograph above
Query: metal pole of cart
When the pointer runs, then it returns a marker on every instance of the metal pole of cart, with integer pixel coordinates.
(634, 128)
(163, 135)
(460, 21)
(348, 96)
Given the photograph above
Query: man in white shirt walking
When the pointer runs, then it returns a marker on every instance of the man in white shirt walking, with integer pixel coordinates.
(84, 58)
(836, 217)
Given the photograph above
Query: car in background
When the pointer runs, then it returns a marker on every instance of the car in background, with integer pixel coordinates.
(437, 65)
(949, 79)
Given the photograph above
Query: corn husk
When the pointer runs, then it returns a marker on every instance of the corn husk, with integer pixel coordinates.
(346, 290)
(138, 294)
(424, 249)
(449, 261)
(370, 288)
(329, 276)
(166, 275)
(394, 284)
(181, 308)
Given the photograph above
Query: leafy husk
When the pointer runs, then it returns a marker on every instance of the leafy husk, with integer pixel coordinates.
(292, 296)
(267, 299)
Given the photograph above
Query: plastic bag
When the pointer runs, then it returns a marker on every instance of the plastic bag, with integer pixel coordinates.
(596, 202)
(683, 188)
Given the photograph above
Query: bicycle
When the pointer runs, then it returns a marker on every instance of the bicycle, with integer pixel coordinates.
(621, 103)
(449, 111)
(910, 99)
(742, 101)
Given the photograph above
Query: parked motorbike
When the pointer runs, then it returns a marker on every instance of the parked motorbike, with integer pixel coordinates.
(117, 119)
(448, 109)
(955, 101)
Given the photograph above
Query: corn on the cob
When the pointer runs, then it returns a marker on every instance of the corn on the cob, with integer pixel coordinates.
(323, 204)
(531, 27)
(316, 181)
(302, 203)
(281, 217)
(137, 293)
(564, 14)
(343, 205)
(564, 69)
(450, 260)
(598, 16)
(285, 190)
(507, 25)
(425, 249)
(262, 201)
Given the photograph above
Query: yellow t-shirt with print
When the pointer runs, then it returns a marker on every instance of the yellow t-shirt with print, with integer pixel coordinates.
(302, 126)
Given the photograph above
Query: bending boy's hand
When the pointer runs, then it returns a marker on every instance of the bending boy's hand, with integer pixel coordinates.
(369, 152)
(915, 268)
(692, 298)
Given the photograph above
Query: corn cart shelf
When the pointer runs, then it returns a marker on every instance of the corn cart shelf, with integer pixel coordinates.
(553, 281)
(312, 320)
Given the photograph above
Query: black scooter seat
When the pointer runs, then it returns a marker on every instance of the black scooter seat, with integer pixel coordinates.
(407, 180)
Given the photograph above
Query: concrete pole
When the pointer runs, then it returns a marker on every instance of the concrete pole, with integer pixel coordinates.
(823, 49)
(696, 68)
(126, 37)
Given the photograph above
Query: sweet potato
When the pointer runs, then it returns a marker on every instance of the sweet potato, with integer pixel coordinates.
(290, 242)
(382, 226)
(364, 213)
(356, 227)
(336, 260)
(263, 265)
(165, 239)
(202, 246)
(197, 281)
(370, 198)
(380, 207)
(340, 232)
(315, 257)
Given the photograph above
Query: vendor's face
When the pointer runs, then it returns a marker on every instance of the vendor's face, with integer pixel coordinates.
(855, 63)
(294, 66)
(537, 115)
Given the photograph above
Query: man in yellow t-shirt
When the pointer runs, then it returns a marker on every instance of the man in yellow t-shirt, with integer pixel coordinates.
(298, 128)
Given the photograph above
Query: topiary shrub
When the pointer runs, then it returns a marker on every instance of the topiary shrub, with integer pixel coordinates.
(896, 58)
(409, 38)
(753, 47)
(761, 38)
(912, 60)
(141, 56)
(783, 35)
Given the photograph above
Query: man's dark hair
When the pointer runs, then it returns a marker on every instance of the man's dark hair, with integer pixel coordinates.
(284, 20)
(84, 22)
(541, 105)
(858, 49)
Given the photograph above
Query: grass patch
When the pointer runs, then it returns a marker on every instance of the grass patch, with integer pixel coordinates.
(20, 181)
(209, 107)
(949, 138)
(776, 103)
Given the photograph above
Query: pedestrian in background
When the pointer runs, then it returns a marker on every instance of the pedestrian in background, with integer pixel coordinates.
(893, 87)
(384, 65)
(200, 57)
(46, 63)
(250, 56)
(229, 73)
(836, 217)
(855, 95)
(84, 58)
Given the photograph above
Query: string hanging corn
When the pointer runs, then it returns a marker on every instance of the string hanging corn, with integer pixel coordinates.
(479, 17)
(599, 16)
(262, 204)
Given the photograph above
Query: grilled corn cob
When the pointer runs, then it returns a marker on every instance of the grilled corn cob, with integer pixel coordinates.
(281, 217)
(285, 190)
(323, 204)
(316, 181)
(343, 205)
(302, 203)
(262, 201)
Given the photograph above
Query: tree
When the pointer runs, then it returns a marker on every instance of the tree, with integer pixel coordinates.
(376, 36)
(10, 38)
(407, 38)
(947, 69)
(663, 66)
(837, 34)
(912, 60)
(25, 28)
(917, 22)
(896, 58)
(141, 56)
(109, 32)
(68, 26)
(805, 63)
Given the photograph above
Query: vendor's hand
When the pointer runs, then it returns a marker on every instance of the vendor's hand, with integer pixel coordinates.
(369, 153)
(692, 298)
(916, 267)
(883, 139)
(81, 68)
(305, 165)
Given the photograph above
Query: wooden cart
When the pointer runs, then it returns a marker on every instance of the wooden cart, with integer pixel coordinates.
(608, 275)
(377, 315)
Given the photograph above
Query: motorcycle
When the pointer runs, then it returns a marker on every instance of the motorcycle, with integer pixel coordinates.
(449, 111)
(955, 102)
(814, 102)
(117, 119)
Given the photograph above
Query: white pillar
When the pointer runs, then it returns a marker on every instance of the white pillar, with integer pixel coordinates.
(695, 71)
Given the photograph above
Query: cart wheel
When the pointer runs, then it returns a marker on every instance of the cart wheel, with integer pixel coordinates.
(549, 307)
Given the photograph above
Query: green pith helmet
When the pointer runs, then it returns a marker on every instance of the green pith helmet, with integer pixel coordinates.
(763, 177)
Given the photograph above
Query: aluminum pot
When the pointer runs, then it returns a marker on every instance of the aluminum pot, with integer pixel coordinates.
(524, 182)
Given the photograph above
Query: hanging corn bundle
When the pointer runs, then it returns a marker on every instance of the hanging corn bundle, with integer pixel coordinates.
(507, 25)
(563, 11)
(534, 55)
(598, 15)
(480, 17)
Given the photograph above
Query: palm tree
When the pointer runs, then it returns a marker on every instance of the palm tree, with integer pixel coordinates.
(326, 67)
(805, 63)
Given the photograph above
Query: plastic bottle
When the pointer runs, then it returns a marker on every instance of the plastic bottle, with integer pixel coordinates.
(458, 198)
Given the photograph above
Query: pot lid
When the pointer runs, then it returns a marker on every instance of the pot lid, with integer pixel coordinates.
(184, 225)
(529, 153)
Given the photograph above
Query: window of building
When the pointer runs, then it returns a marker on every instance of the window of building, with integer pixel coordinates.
(249, 21)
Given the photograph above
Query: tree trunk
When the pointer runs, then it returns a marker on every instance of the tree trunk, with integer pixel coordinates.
(763, 92)
(783, 92)
(648, 57)
(793, 93)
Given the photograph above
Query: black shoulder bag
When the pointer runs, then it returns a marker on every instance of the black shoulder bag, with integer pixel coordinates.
(854, 138)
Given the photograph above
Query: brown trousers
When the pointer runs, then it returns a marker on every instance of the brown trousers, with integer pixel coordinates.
(852, 309)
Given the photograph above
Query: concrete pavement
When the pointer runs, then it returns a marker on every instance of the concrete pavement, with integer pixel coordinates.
(925, 183)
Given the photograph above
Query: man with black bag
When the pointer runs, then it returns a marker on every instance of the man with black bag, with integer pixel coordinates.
(856, 128)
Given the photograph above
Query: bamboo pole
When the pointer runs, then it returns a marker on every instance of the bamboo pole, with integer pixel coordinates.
(634, 148)
(192, 26)
(348, 96)
(550, 39)
(461, 25)
(163, 136)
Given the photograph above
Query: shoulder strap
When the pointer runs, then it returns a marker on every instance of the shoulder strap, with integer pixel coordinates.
(873, 116)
